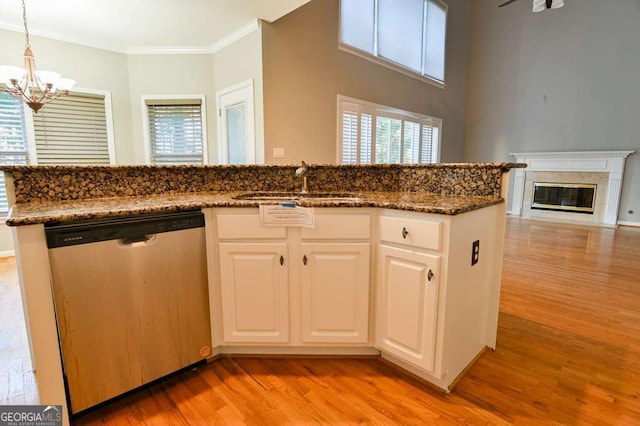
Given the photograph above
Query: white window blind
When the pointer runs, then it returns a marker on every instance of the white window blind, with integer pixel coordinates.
(175, 132)
(407, 33)
(72, 130)
(13, 139)
(393, 136)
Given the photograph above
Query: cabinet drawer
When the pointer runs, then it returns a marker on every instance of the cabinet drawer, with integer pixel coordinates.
(338, 227)
(413, 232)
(246, 226)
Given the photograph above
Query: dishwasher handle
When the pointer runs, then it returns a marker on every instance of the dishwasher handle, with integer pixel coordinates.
(137, 240)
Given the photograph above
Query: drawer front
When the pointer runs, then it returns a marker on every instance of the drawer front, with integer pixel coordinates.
(246, 226)
(338, 227)
(413, 232)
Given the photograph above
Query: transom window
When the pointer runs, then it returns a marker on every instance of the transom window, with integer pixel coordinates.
(409, 34)
(376, 134)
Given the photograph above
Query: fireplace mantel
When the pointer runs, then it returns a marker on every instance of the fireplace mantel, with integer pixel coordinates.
(611, 162)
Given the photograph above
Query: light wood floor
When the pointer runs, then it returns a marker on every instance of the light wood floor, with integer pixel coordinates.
(568, 353)
(17, 383)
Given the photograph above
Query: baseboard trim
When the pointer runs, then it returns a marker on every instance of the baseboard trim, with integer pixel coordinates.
(12, 253)
(629, 223)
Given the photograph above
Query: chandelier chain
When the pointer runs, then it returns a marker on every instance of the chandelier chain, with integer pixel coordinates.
(26, 30)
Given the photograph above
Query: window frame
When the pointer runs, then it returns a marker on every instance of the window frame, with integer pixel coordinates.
(108, 111)
(30, 134)
(178, 99)
(378, 110)
(390, 64)
(4, 200)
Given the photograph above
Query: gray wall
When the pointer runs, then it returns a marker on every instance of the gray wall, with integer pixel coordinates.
(304, 72)
(559, 80)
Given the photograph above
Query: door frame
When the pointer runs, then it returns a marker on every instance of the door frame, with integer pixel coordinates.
(249, 97)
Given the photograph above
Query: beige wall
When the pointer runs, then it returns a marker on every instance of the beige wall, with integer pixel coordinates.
(236, 64)
(91, 69)
(128, 77)
(559, 80)
(170, 75)
(304, 72)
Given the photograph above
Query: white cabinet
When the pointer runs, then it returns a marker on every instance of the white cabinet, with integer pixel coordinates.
(299, 290)
(291, 285)
(335, 292)
(407, 303)
(436, 302)
(255, 292)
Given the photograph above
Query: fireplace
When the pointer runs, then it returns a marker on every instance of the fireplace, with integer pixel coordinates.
(570, 197)
(605, 169)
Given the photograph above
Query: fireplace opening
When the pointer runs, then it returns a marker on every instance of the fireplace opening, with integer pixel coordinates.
(571, 197)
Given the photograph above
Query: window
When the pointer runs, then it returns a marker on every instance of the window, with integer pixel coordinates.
(376, 134)
(407, 34)
(175, 130)
(13, 139)
(74, 130)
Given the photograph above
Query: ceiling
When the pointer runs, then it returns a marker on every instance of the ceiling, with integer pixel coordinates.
(142, 26)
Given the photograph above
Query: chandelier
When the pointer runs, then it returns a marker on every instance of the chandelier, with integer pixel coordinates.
(34, 88)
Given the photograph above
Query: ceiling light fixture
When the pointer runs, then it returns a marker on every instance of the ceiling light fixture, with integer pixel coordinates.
(540, 5)
(35, 88)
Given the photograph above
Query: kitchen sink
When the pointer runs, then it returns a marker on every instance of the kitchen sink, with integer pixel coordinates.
(291, 196)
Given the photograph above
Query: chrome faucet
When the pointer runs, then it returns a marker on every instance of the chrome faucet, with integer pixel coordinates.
(304, 172)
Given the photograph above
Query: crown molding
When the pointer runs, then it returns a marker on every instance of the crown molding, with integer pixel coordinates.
(168, 51)
(238, 34)
(227, 40)
(53, 36)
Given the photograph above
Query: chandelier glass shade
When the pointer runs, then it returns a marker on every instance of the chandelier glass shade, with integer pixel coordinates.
(35, 88)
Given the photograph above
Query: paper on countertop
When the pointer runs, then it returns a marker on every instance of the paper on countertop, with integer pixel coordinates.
(286, 215)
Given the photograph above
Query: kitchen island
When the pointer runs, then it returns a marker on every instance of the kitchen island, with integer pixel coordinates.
(422, 293)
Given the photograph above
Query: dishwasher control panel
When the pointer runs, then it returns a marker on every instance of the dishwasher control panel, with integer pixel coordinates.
(119, 228)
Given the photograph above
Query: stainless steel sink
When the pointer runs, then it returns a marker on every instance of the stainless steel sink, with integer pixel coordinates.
(292, 196)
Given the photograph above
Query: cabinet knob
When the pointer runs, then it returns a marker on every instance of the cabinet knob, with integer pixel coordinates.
(281, 260)
(404, 232)
(429, 275)
(304, 259)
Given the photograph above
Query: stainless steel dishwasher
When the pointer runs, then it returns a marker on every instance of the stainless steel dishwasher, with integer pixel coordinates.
(131, 301)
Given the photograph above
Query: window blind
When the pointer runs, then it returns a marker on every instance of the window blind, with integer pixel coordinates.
(393, 136)
(72, 130)
(13, 140)
(408, 33)
(175, 133)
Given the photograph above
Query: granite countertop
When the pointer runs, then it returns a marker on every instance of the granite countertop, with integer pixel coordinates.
(63, 211)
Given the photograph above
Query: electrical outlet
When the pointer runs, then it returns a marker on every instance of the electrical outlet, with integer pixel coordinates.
(475, 252)
(278, 152)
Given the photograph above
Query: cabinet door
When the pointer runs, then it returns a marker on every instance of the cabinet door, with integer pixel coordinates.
(255, 292)
(407, 304)
(335, 292)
